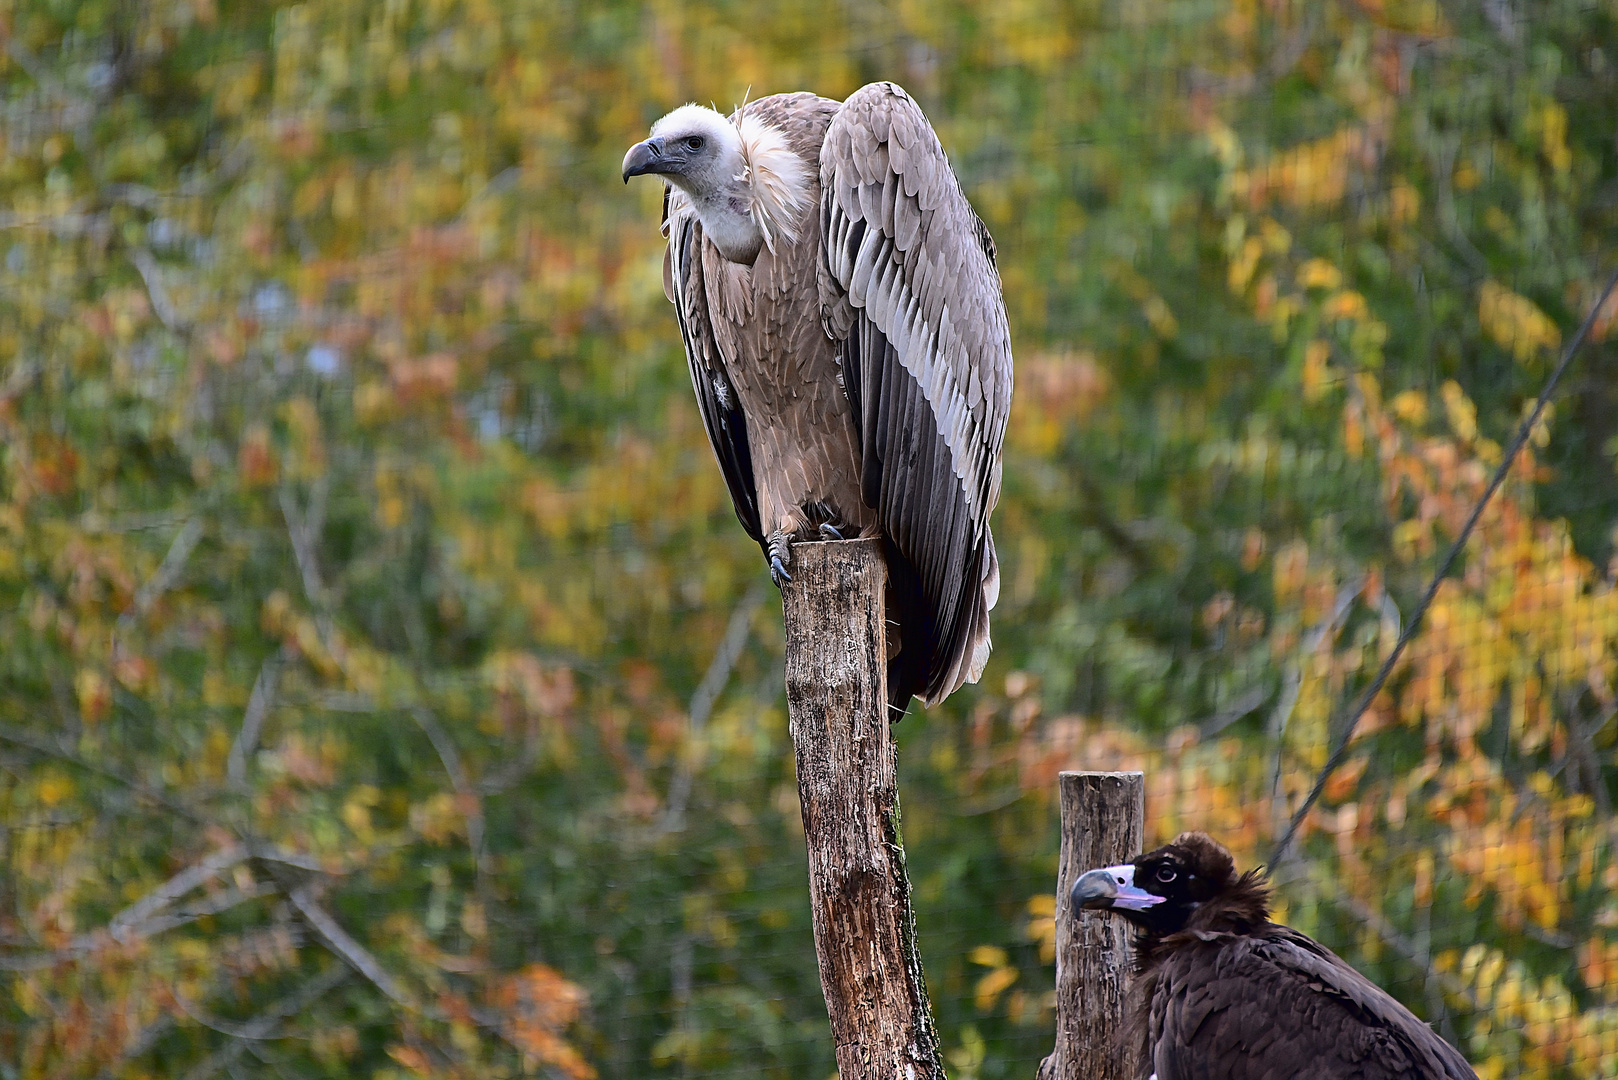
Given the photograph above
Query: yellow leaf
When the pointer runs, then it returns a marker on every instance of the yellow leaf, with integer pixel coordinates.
(1553, 136)
(1316, 372)
(1410, 406)
(1347, 304)
(1243, 265)
(55, 787)
(94, 694)
(1319, 274)
(1515, 322)
(991, 986)
(992, 956)
(1463, 415)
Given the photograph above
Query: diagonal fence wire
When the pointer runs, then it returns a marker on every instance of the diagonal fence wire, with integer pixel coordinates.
(1340, 749)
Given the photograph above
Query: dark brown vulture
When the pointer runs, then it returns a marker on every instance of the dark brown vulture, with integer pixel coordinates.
(1223, 993)
(847, 341)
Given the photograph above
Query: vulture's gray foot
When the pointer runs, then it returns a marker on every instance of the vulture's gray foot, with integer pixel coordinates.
(828, 531)
(780, 553)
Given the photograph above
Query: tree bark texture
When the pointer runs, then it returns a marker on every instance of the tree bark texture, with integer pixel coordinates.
(865, 939)
(1103, 824)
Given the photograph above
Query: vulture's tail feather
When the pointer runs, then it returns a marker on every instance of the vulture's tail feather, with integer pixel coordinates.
(907, 606)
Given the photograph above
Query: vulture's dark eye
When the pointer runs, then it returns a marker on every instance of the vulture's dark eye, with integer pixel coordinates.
(1166, 874)
(694, 142)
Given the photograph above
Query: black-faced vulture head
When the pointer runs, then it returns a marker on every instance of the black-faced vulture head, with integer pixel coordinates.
(1223, 993)
(1161, 890)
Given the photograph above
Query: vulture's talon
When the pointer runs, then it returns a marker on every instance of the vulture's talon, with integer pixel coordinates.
(828, 531)
(778, 572)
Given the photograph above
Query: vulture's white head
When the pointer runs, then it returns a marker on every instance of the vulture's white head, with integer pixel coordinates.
(749, 188)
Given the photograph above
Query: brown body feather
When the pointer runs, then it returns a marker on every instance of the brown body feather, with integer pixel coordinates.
(1226, 994)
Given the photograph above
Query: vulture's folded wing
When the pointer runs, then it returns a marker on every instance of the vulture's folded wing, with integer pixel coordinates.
(910, 292)
(1275, 1008)
(721, 412)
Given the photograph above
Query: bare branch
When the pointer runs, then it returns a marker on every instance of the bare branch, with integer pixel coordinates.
(142, 1042)
(1330, 891)
(174, 888)
(152, 275)
(1244, 705)
(143, 919)
(703, 699)
(304, 528)
(298, 861)
(166, 574)
(213, 905)
(259, 703)
(354, 954)
(472, 805)
(1292, 685)
(263, 1026)
(39, 746)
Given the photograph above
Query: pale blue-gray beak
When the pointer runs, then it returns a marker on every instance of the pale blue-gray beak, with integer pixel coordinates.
(1112, 888)
(644, 157)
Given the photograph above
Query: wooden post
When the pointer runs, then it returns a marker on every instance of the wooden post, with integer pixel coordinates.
(1103, 815)
(865, 938)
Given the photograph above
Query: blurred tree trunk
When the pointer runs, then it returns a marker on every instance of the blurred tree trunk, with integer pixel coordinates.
(836, 676)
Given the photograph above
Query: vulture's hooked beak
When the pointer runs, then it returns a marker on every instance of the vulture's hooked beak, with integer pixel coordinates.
(1112, 888)
(644, 157)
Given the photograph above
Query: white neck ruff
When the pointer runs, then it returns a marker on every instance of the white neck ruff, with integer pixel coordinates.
(776, 180)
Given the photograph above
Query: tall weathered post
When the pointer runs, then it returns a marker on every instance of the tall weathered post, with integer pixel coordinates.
(1103, 824)
(865, 939)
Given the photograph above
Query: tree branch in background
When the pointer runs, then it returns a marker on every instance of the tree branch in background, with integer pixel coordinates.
(125, 921)
(1329, 891)
(143, 919)
(18, 738)
(1245, 705)
(304, 528)
(266, 1025)
(162, 304)
(354, 954)
(1095, 508)
(703, 699)
(1292, 686)
(259, 703)
(163, 578)
(471, 804)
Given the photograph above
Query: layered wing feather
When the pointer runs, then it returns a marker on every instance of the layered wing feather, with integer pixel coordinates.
(722, 415)
(910, 292)
(1282, 1006)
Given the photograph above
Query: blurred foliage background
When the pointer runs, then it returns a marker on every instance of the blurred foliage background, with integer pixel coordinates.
(389, 691)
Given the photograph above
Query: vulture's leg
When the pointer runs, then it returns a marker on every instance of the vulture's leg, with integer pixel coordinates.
(780, 553)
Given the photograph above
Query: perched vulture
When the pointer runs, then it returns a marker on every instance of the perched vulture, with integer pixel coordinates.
(847, 342)
(1223, 993)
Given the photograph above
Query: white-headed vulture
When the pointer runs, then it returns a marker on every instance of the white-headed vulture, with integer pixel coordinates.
(1223, 993)
(847, 341)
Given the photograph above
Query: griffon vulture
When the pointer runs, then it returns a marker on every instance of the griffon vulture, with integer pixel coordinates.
(848, 346)
(1223, 993)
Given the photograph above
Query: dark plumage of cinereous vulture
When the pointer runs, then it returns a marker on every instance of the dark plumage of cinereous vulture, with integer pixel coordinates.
(1223, 993)
(847, 341)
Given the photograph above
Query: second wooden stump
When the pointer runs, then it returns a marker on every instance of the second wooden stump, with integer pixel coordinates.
(1103, 824)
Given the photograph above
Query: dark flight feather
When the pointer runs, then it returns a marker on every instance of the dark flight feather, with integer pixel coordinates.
(724, 422)
(912, 295)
